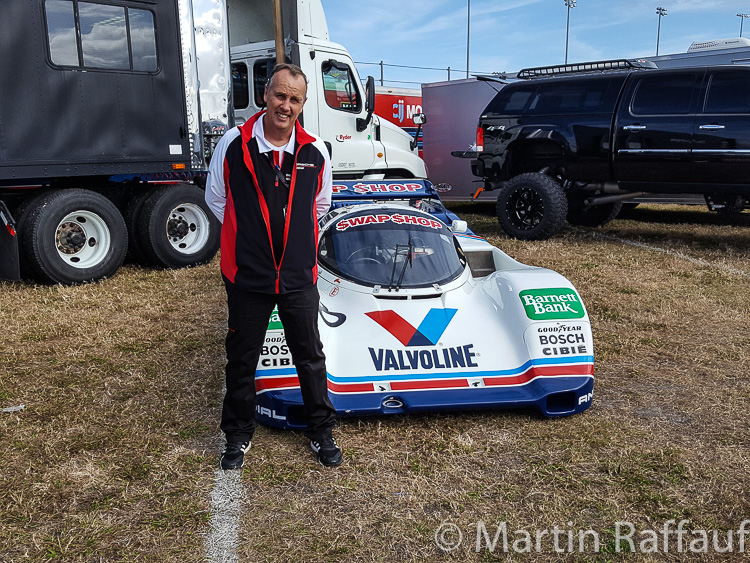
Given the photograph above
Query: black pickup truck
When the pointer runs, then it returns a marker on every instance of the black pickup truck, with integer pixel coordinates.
(572, 142)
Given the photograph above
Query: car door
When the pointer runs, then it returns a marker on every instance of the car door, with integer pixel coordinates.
(721, 140)
(654, 128)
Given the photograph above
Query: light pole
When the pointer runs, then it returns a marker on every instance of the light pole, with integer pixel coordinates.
(661, 12)
(570, 4)
(468, 34)
(742, 19)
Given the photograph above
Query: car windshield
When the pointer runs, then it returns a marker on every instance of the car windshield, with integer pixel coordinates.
(391, 248)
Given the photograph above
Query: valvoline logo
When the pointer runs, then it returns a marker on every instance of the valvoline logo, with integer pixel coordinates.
(428, 333)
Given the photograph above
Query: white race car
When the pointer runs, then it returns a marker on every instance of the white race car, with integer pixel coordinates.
(419, 314)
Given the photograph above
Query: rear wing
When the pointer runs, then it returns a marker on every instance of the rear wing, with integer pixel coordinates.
(369, 191)
(420, 194)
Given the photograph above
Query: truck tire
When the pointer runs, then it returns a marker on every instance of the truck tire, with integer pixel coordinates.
(176, 228)
(531, 206)
(71, 236)
(132, 216)
(729, 205)
(594, 216)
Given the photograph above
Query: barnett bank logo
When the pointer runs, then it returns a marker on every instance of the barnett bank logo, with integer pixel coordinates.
(549, 304)
(427, 334)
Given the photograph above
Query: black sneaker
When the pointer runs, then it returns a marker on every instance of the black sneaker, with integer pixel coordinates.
(329, 453)
(233, 456)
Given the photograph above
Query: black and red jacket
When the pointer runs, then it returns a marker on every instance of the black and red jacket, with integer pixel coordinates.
(247, 252)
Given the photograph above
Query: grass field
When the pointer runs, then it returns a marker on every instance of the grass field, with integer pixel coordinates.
(114, 455)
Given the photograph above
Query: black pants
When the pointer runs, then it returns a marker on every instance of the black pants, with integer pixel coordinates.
(249, 313)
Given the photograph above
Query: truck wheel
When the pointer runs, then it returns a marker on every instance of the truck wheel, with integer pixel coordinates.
(729, 205)
(531, 206)
(594, 216)
(176, 228)
(72, 236)
(132, 216)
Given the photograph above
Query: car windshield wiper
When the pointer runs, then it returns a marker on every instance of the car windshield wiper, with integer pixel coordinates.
(405, 250)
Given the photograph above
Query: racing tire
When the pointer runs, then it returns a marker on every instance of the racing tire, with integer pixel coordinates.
(531, 206)
(594, 216)
(71, 236)
(176, 228)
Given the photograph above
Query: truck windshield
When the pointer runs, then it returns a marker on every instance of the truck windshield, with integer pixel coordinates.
(391, 248)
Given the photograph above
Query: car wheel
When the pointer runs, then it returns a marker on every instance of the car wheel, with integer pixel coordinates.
(71, 236)
(594, 216)
(176, 228)
(531, 206)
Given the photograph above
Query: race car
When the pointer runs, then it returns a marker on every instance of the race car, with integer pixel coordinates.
(419, 314)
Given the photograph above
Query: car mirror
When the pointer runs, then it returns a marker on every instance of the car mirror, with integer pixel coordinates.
(458, 226)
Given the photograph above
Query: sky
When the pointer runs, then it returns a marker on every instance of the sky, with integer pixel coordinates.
(508, 35)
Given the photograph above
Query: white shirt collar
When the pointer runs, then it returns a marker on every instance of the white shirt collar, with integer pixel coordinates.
(264, 145)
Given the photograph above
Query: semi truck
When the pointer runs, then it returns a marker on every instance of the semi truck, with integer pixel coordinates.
(110, 110)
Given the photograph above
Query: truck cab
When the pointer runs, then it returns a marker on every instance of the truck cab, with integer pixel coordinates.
(339, 109)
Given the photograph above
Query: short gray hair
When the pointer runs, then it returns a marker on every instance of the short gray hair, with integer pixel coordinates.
(293, 69)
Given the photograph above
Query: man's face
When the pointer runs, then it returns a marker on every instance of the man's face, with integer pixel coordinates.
(284, 97)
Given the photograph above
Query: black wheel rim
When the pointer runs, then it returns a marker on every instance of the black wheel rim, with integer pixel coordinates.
(525, 208)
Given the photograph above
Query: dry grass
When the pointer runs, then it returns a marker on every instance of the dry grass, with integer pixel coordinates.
(114, 455)
(120, 385)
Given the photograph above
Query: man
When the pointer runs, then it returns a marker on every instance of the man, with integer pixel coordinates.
(269, 181)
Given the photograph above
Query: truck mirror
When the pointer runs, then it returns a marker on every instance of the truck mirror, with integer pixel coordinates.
(369, 104)
(419, 120)
(370, 95)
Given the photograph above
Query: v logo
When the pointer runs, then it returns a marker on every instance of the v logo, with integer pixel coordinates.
(429, 332)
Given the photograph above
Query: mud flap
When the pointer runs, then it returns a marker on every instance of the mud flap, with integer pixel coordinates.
(9, 264)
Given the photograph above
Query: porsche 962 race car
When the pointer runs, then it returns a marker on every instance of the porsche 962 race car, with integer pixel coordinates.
(419, 314)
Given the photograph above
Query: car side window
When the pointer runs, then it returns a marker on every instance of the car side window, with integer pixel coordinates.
(580, 96)
(511, 101)
(664, 94)
(728, 92)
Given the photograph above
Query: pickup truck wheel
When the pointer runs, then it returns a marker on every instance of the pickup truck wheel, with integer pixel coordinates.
(176, 228)
(72, 236)
(531, 206)
(729, 205)
(594, 216)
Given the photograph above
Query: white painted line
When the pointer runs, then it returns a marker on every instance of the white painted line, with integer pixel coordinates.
(226, 508)
(680, 255)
